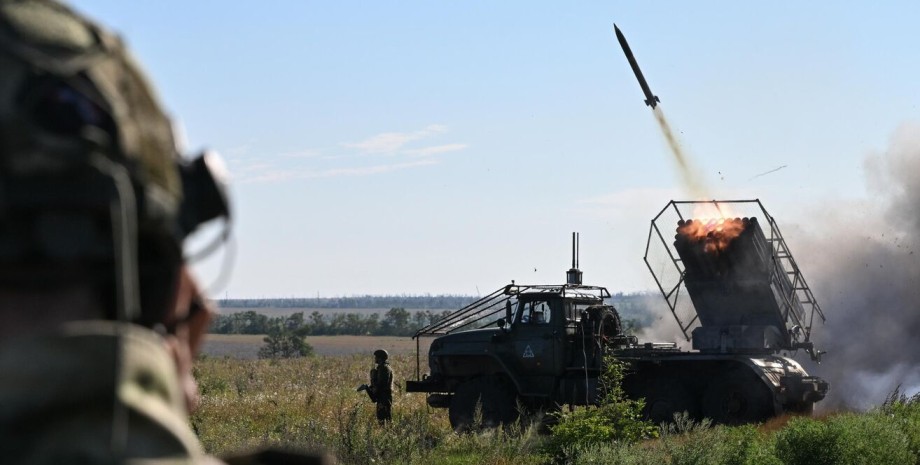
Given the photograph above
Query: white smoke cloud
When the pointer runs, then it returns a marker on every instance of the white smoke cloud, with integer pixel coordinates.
(863, 263)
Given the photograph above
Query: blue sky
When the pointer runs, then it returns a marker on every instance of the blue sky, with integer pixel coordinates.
(414, 147)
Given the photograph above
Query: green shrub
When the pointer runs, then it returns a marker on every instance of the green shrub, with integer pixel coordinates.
(744, 445)
(870, 439)
(904, 412)
(702, 444)
(845, 439)
(688, 444)
(285, 344)
(804, 441)
(695, 446)
(616, 419)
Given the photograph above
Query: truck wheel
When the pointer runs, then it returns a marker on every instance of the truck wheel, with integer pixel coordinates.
(666, 396)
(736, 398)
(496, 400)
(602, 323)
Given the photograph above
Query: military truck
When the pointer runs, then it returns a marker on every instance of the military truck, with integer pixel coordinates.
(538, 347)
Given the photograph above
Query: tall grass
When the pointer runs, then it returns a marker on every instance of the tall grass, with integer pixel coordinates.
(311, 403)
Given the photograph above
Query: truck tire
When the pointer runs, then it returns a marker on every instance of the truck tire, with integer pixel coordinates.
(496, 399)
(666, 396)
(602, 323)
(738, 397)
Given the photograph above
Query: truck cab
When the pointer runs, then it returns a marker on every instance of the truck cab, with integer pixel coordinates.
(540, 345)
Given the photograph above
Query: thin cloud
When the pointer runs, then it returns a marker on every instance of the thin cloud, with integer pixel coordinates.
(626, 206)
(253, 167)
(369, 170)
(241, 171)
(308, 153)
(293, 165)
(629, 198)
(434, 150)
(286, 175)
(392, 142)
(240, 151)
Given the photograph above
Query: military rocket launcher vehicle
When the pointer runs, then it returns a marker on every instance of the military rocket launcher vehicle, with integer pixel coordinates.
(732, 286)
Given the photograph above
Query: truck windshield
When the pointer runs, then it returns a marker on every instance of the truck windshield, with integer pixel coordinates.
(534, 312)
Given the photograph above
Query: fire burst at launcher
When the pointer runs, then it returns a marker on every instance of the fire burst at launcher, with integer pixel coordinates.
(714, 235)
(746, 290)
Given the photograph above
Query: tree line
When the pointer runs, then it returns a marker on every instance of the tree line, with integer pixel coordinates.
(636, 310)
(636, 304)
(396, 321)
(427, 301)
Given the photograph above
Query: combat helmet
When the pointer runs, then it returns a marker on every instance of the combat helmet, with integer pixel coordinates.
(91, 180)
(381, 354)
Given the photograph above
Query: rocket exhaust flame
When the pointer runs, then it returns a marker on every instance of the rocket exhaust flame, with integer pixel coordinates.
(715, 234)
(714, 223)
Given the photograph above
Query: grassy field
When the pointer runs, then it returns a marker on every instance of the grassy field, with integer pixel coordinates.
(246, 346)
(311, 403)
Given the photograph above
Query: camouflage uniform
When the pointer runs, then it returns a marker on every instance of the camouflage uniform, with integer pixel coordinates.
(94, 196)
(381, 386)
(102, 392)
(57, 402)
(81, 131)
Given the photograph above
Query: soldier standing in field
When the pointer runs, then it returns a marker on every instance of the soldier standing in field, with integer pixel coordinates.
(381, 386)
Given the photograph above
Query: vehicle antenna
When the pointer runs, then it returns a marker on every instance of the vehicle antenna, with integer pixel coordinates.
(574, 265)
(573, 276)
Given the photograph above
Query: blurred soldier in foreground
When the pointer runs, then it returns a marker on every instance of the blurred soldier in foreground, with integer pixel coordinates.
(99, 316)
(380, 390)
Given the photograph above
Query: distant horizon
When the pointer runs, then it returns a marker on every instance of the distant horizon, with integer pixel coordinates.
(428, 294)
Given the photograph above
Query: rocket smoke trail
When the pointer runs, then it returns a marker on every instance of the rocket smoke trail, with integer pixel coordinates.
(691, 178)
(689, 175)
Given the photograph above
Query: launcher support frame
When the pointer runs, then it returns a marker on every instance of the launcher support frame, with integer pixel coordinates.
(799, 295)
